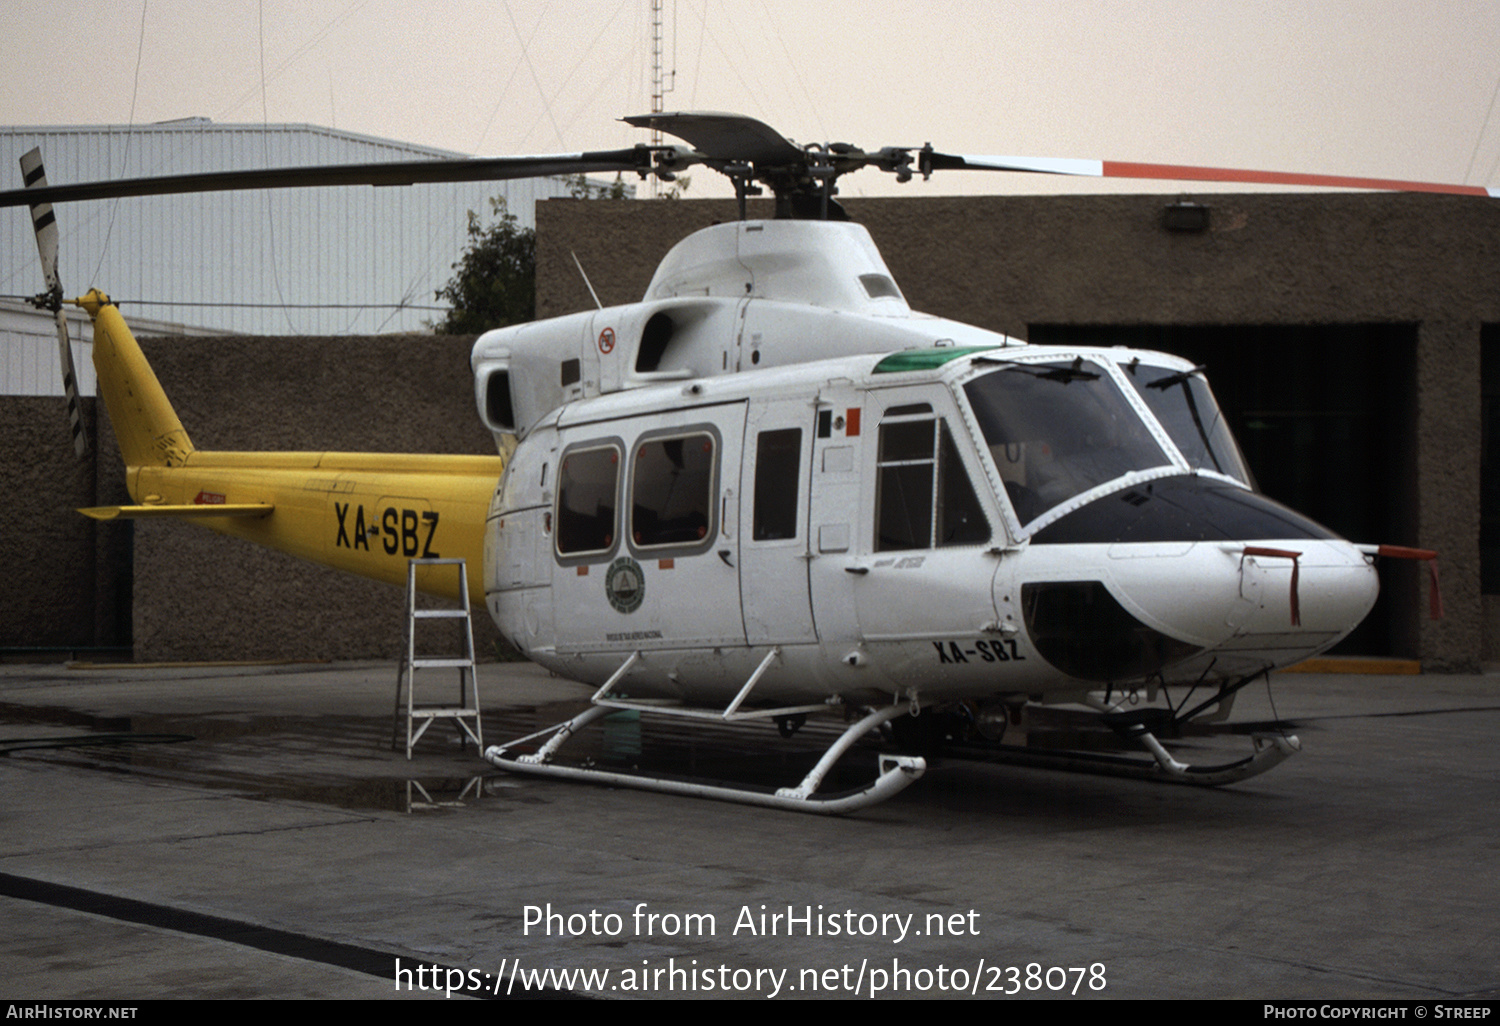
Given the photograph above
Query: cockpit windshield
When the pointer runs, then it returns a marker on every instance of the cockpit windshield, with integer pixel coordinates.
(1181, 400)
(1058, 429)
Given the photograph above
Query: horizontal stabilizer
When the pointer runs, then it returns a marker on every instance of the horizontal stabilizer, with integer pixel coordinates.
(223, 509)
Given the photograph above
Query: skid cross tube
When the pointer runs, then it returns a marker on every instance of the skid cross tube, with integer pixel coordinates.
(896, 772)
(731, 712)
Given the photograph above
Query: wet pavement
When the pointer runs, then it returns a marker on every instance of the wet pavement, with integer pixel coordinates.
(249, 832)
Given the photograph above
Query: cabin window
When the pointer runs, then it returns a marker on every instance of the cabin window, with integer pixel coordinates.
(587, 500)
(924, 498)
(672, 491)
(778, 462)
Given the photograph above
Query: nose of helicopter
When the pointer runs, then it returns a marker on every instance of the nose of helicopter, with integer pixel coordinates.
(1189, 573)
(1274, 602)
(1177, 609)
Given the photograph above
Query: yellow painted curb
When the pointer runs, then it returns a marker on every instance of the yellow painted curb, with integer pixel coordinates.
(1356, 664)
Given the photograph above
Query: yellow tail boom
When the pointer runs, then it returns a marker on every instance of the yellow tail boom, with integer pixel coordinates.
(367, 513)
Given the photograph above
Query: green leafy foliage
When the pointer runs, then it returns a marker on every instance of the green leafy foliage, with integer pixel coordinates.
(579, 187)
(494, 283)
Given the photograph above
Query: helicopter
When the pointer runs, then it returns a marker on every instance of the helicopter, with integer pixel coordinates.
(771, 490)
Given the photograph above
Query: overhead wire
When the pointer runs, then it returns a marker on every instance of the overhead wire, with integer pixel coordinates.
(751, 94)
(526, 56)
(698, 60)
(796, 72)
(360, 309)
(296, 55)
(267, 73)
(265, 141)
(135, 91)
(266, 77)
(583, 55)
(1478, 139)
(1489, 175)
(83, 218)
(515, 69)
(420, 280)
(604, 80)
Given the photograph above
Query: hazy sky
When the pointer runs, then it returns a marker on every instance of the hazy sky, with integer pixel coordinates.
(1379, 88)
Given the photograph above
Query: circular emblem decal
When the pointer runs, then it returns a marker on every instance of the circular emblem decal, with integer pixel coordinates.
(607, 341)
(625, 585)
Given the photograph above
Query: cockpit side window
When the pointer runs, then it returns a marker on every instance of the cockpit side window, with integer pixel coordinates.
(1185, 405)
(924, 498)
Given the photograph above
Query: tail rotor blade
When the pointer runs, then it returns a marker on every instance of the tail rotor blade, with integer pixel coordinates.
(44, 222)
(70, 385)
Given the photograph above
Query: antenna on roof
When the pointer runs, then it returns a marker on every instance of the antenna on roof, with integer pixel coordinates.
(658, 89)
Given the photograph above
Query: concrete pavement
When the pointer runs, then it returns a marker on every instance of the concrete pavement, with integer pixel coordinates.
(283, 852)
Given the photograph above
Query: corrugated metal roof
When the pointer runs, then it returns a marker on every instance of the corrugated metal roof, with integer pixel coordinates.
(351, 259)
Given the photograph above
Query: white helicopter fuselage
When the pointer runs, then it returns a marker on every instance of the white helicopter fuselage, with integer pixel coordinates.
(772, 489)
(707, 484)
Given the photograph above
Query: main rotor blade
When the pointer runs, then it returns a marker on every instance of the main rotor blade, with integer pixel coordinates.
(409, 172)
(1183, 173)
(730, 138)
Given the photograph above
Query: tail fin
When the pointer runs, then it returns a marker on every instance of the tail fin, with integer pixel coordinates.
(145, 423)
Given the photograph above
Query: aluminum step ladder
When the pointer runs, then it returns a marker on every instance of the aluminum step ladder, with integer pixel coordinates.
(420, 717)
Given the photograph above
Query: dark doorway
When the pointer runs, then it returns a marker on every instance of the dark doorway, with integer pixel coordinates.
(1326, 416)
(1489, 459)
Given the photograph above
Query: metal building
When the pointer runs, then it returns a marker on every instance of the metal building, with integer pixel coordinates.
(346, 260)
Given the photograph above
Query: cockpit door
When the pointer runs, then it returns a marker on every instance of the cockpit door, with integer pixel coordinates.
(908, 543)
(925, 567)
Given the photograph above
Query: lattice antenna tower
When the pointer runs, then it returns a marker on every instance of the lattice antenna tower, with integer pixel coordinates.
(659, 79)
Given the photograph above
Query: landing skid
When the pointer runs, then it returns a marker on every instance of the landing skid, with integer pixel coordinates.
(895, 774)
(1073, 740)
(1270, 751)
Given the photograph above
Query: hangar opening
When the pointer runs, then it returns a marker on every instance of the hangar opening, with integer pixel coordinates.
(1489, 485)
(1326, 416)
